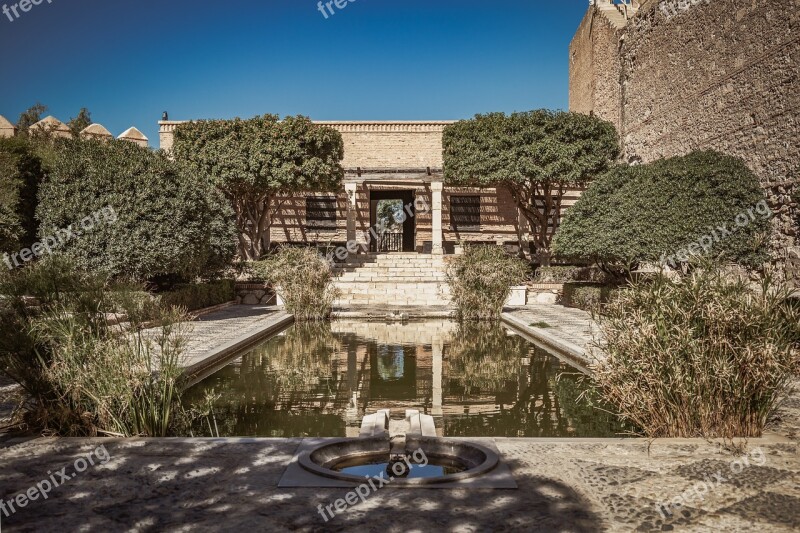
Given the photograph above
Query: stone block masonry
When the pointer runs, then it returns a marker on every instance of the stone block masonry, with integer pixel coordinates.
(692, 74)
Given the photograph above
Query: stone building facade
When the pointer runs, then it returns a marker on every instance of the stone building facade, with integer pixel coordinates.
(680, 75)
(402, 161)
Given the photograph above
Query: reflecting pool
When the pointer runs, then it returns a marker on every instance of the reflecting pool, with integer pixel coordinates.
(476, 380)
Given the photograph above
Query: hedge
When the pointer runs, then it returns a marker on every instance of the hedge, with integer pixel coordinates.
(587, 296)
(200, 295)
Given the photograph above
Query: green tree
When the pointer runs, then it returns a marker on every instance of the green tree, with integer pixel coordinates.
(135, 213)
(81, 122)
(30, 117)
(705, 203)
(254, 161)
(536, 155)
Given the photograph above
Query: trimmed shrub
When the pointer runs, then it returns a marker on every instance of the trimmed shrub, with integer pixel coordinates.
(563, 274)
(194, 296)
(21, 172)
(303, 278)
(158, 219)
(654, 213)
(707, 356)
(587, 296)
(481, 279)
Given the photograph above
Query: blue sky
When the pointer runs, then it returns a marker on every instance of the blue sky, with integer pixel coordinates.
(128, 61)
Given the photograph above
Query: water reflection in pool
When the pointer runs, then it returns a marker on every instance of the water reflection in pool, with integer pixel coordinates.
(476, 380)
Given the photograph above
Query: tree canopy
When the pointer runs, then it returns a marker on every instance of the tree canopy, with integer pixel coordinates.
(135, 213)
(254, 161)
(538, 156)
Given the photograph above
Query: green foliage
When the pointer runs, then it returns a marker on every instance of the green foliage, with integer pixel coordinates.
(648, 213)
(537, 155)
(252, 161)
(81, 122)
(84, 377)
(303, 278)
(194, 296)
(158, 218)
(481, 279)
(587, 296)
(707, 356)
(562, 274)
(21, 172)
(29, 117)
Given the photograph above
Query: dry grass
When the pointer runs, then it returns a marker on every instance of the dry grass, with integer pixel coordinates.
(709, 355)
(304, 280)
(481, 279)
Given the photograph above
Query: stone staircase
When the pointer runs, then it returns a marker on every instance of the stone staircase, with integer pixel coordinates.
(392, 280)
(615, 11)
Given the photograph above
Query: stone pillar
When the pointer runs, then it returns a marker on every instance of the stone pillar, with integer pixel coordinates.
(352, 190)
(436, 200)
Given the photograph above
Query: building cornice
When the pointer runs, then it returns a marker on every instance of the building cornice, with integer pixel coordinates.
(359, 126)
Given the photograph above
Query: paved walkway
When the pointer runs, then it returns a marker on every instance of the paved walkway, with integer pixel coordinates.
(569, 331)
(578, 486)
(218, 335)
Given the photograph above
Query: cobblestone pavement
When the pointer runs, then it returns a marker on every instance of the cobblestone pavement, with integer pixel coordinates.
(585, 486)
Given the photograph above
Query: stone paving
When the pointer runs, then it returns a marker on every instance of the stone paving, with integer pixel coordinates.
(212, 333)
(580, 486)
(570, 331)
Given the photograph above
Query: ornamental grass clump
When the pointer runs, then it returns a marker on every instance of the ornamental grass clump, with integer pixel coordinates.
(82, 375)
(708, 355)
(481, 279)
(303, 278)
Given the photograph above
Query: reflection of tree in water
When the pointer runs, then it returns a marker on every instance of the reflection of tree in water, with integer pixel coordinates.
(534, 394)
(483, 358)
(279, 388)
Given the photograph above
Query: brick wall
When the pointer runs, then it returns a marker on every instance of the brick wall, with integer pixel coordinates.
(697, 74)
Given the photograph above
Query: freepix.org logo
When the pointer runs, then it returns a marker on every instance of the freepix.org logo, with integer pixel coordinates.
(15, 11)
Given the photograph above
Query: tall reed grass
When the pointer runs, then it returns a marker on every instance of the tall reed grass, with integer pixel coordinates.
(708, 355)
(83, 376)
(303, 278)
(481, 279)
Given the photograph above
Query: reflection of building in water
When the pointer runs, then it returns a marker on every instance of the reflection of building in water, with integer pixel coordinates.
(475, 381)
(394, 366)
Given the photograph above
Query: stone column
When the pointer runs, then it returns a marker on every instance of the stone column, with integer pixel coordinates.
(351, 190)
(436, 200)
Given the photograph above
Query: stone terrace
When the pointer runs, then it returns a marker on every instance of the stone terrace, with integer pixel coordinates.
(231, 484)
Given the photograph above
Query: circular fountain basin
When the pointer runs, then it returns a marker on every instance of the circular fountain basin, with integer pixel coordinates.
(355, 459)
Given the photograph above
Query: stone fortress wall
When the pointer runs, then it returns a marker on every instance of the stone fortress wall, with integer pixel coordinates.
(683, 75)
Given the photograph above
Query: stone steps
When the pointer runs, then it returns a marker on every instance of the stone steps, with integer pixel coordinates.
(392, 280)
(614, 14)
